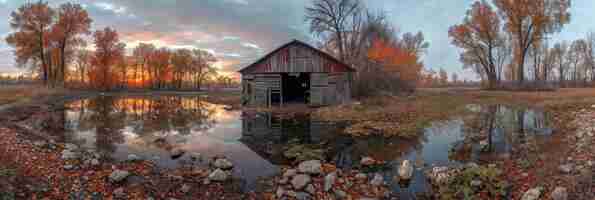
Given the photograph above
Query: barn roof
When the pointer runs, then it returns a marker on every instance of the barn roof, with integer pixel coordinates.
(297, 42)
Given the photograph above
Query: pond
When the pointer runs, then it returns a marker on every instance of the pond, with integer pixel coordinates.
(151, 127)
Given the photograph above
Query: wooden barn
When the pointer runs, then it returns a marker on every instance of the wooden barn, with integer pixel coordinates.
(296, 73)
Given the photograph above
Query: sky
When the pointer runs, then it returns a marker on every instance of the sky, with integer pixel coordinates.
(240, 31)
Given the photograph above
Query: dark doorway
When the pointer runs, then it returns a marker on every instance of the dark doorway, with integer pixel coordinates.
(296, 87)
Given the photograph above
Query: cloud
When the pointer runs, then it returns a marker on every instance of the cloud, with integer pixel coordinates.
(240, 2)
(111, 7)
(250, 45)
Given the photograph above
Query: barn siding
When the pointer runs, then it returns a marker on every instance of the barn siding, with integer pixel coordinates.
(330, 80)
(296, 58)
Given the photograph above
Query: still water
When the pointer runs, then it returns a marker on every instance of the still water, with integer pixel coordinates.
(150, 127)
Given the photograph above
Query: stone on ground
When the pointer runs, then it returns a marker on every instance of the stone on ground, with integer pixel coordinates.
(218, 175)
(310, 167)
(300, 181)
(118, 176)
(532, 194)
(405, 170)
(560, 193)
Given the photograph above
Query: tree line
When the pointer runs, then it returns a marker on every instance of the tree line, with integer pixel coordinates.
(509, 41)
(51, 42)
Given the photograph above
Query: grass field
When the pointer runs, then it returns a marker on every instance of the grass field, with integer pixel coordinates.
(24, 93)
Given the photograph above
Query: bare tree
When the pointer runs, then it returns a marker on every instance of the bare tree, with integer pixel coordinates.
(331, 19)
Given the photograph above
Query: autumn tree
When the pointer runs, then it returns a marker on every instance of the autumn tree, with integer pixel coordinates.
(181, 61)
(142, 54)
(73, 21)
(332, 19)
(574, 57)
(559, 52)
(159, 62)
(455, 78)
(529, 21)
(108, 52)
(443, 77)
(481, 39)
(202, 66)
(31, 24)
(82, 63)
(396, 59)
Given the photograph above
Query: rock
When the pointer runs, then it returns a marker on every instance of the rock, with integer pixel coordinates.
(69, 155)
(133, 158)
(340, 194)
(329, 181)
(310, 167)
(484, 145)
(206, 181)
(560, 193)
(223, 163)
(439, 175)
(290, 173)
(366, 161)
(120, 193)
(378, 180)
(71, 146)
(218, 175)
(185, 188)
(94, 162)
(566, 168)
(291, 193)
(280, 192)
(471, 165)
(361, 176)
(405, 170)
(532, 194)
(310, 189)
(476, 183)
(303, 196)
(300, 181)
(176, 153)
(196, 156)
(40, 144)
(118, 176)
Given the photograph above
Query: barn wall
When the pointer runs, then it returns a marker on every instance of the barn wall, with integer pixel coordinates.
(296, 58)
(260, 88)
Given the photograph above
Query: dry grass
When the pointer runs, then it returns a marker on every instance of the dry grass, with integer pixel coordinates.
(25, 93)
(415, 112)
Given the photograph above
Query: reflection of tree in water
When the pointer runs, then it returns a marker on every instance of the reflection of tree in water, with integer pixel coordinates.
(108, 123)
(498, 129)
(145, 118)
(268, 133)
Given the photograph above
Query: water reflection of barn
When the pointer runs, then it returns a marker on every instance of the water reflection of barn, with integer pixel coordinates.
(296, 72)
(267, 135)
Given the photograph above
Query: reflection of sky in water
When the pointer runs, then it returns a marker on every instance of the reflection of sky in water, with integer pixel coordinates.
(221, 137)
(211, 130)
(441, 137)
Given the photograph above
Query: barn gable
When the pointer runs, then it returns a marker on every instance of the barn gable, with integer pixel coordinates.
(296, 56)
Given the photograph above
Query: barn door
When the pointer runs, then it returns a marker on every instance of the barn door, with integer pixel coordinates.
(318, 88)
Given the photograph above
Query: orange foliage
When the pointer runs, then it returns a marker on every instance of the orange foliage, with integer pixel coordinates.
(109, 52)
(396, 59)
(529, 21)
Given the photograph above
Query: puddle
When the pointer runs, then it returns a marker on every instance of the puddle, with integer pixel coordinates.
(151, 127)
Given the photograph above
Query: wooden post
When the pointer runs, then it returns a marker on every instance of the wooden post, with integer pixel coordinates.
(281, 92)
